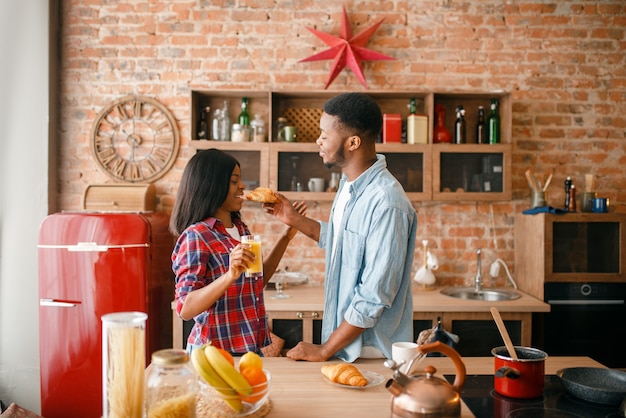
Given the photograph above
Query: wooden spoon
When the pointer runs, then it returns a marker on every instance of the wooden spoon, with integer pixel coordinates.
(503, 332)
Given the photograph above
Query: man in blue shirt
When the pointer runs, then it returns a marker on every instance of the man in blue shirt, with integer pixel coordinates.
(369, 239)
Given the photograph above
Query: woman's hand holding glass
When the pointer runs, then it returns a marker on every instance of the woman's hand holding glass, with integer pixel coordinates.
(253, 242)
(241, 257)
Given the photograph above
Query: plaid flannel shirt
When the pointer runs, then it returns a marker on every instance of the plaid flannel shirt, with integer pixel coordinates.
(237, 321)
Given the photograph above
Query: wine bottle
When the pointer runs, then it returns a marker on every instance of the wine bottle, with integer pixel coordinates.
(203, 126)
(481, 128)
(494, 123)
(459, 126)
(244, 117)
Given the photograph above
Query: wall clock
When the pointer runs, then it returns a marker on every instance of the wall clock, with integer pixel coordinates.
(135, 139)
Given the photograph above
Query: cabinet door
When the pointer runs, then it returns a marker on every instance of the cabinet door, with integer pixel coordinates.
(411, 165)
(296, 326)
(478, 337)
(292, 165)
(478, 333)
(252, 156)
(471, 172)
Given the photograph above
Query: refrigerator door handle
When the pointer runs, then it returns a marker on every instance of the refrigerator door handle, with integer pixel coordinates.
(88, 247)
(92, 247)
(59, 303)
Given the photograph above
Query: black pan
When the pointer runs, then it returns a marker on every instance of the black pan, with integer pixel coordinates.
(594, 384)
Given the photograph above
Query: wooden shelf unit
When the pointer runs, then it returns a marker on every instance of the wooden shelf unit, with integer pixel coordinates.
(441, 172)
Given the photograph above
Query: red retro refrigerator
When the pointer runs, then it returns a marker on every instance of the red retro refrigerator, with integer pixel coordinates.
(91, 264)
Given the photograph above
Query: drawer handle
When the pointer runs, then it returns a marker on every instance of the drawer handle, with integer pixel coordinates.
(314, 315)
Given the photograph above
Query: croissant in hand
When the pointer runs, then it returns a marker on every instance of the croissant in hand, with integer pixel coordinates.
(263, 195)
(345, 374)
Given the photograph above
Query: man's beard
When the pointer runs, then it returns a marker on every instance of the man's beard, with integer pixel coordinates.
(337, 162)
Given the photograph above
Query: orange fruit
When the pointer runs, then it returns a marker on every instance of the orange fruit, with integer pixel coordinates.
(227, 355)
(257, 379)
(250, 359)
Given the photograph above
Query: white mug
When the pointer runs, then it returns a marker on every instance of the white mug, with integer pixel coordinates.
(316, 184)
(404, 352)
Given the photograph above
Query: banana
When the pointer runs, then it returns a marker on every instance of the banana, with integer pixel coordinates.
(206, 371)
(227, 371)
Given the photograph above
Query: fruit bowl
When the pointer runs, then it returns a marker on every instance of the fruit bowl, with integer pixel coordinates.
(217, 402)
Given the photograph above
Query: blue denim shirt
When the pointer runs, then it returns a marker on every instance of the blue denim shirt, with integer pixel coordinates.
(369, 282)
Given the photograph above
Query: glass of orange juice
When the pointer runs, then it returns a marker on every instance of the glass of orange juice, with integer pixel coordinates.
(254, 243)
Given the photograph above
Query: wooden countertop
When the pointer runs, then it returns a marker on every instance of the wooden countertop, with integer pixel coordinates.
(298, 388)
(310, 297)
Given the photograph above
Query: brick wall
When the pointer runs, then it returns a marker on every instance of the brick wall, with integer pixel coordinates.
(563, 62)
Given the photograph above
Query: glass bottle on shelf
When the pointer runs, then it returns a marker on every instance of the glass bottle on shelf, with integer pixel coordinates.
(410, 123)
(441, 133)
(244, 117)
(481, 128)
(203, 126)
(333, 184)
(459, 126)
(225, 123)
(295, 184)
(494, 123)
(244, 120)
(215, 125)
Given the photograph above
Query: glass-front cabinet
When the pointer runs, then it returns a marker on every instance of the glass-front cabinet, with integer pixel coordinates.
(471, 172)
(288, 158)
(571, 247)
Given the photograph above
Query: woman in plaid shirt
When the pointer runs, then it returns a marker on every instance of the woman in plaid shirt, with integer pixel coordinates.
(209, 260)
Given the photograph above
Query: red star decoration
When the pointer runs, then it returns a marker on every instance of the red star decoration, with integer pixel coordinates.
(347, 49)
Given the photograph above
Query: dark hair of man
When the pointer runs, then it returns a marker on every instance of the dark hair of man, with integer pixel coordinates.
(357, 112)
(203, 188)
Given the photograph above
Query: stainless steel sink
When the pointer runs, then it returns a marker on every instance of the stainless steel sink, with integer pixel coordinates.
(489, 295)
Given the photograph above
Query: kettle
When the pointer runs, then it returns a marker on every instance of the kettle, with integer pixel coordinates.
(424, 395)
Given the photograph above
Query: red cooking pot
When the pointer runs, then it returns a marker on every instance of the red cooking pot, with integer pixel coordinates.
(522, 378)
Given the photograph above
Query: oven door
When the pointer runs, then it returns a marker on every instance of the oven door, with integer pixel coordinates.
(586, 319)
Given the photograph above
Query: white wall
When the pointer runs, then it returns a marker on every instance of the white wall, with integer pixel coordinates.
(23, 192)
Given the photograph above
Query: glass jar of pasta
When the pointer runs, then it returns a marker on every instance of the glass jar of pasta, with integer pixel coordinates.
(170, 385)
(123, 364)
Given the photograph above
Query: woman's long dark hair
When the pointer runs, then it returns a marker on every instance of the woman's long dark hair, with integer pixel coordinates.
(203, 188)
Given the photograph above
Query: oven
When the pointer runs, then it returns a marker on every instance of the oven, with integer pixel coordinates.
(585, 319)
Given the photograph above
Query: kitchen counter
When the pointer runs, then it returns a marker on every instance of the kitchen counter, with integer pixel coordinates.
(310, 297)
(298, 388)
(306, 303)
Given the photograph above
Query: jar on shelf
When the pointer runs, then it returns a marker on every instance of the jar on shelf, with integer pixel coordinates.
(240, 133)
(258, 129)
(170, 385)
(281, 122)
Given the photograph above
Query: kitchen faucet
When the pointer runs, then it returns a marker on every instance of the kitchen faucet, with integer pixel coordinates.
(478, 280)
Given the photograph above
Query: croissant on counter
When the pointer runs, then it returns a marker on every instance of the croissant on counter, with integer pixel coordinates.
(345, 374)
(262, 195)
